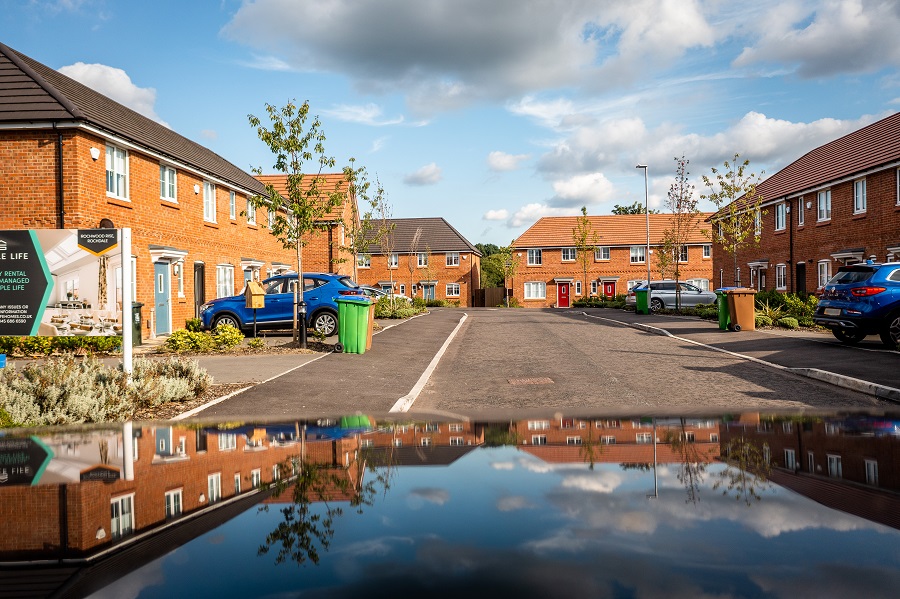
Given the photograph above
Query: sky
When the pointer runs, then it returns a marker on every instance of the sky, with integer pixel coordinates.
(491, 114)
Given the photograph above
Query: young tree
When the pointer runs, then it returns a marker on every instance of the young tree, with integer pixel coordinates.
(385, 233)
(363, 230)
(585, 239)
(508, 267)
(299, 213)
(682, 203)
(636, 208)
(738, 219)
(413, 262)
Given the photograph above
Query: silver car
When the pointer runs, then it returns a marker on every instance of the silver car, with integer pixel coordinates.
(663, 295)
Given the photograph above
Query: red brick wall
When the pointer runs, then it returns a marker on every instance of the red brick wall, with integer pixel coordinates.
(466, 275)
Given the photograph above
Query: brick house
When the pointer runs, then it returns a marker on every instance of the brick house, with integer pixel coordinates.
(442, 264)
(71, 158)
(550, 272)
(838, 204)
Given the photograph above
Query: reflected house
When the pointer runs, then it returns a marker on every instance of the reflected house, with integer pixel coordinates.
(617, 441)
(422, 443)
(849, 464)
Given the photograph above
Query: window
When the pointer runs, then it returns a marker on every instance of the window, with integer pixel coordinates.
(872, 473)
(456, 441)
(608, 440)
(790, 459)
(167, 183)
(635, 283)
(714, 437)
(232, 205)
(824, 269)
(270, 222)
(121, 514)
(699, 283)
(601, 253)
(214, 487)
(452, 258)
(116, 172)
(577, 287)
(452, 290)
(801, 218)
(224, 280)
(402, 289)
(535, 290)
(707, 250)
(237, 483)
(683, 254)
(644, 438)
(255, 478)
(227, 441)
(573, 440)
(757, 223)
(455, 427)
(593, 287)
(780, 216)
(173, 504)
(568, 254)
(393, 261)
(637, 254)
(538, 425)
(538, 439)
(859, 196)
(781, 277)
(422, 259)
(786, 427)
(251, 213)
(898, 186)
(535, 258)
(179, 277)
(209, 202)
(364, 261)
(835, 470)
(275, 472)
(811, 461)
(824, 201)
(398, 442)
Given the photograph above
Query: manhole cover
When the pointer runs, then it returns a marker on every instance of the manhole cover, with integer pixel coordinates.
(542, 380)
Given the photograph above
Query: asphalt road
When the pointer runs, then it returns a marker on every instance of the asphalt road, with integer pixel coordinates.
(541, 361)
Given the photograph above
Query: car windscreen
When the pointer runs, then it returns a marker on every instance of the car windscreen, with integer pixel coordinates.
(845, 276)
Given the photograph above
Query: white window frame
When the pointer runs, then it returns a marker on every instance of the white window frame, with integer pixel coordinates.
(393, 260)
(270, 219)
(569, 254)
(121, 523)
(209, 202)
(790, 459)
(452, 259)
(707, 251)
(835, 466)
(601, 254)
(538, 425)
(402, 288)
(422, 260)
(168, 183)
(823, 205)
(780, 277)
(251, 213)
(457, 441)
(757, 223)
(227, 441)
(702, 284)
(538, 439)
(643, 438)
(608, 440)
(801, 212)
(859, 196)
(535, 290)
(232, 205)
(576, 440)
(535, 257)
(455, 427)
(683, 255)
(577, 287)
(594, 287)
(237, 483)
(363, 261)
(823, 272)
(811, 462)
(638, 254)
(224, 280)
(255, 478)
(634, 283)
(214, 487)
(452, 290)
(174, 503)
(178, 267)
(116, 172)
(872, 472)
(780, 216)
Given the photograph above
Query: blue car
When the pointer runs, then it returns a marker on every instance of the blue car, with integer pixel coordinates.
(319, 292)
(861, 300)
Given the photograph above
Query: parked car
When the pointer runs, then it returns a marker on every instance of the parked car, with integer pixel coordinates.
(663, 295)
(374, 293)
(862, 300)
(320, 290)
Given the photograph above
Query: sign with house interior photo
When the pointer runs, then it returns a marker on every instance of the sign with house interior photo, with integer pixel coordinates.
(60, 282)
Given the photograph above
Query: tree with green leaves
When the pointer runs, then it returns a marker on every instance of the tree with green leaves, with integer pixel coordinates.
(738, 220)
(491, 275)
(294, 216)
(682, 203)
(385, 233)
(585, 239)
(363, 230)
(413, 262)
(508, 268)
(636, 208)
(487, 249)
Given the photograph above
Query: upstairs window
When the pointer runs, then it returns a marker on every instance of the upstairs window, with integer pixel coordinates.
(601, 253)
(116, 172)
(535, 258)
(422, 260)
(167, 180)
(232, 205)
(824, 205)
(364, 261)
(568, 254)
(780, 216)
(683, 254)
(638, 254)
(393, 261)
(452, 258)
(251, 213)
(859, 196)
(707, 251)
(209, 202)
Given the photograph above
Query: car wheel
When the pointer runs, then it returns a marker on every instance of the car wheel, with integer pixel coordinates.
(890, 335)
(656, 304)
(848, 337)
(226, 319)
(325, 323)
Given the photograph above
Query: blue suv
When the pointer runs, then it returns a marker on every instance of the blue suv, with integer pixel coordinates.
(861, 300)
(319, 292)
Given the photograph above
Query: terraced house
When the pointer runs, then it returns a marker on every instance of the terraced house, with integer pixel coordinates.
(72, 158)
(838, 204)
(427, 258)
(551, 272)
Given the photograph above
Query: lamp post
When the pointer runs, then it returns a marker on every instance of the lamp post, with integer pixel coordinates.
(647, 212)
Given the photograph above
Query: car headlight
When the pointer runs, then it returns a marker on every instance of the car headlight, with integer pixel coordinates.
(205, 307)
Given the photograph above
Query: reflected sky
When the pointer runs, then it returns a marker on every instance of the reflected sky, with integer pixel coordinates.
(501, 522)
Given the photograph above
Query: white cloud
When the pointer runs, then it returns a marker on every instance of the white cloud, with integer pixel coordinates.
(116, 84)
(209, 134)
(596, 482)
(266, 63)
(503, 465)
(431, 495)
(429, 174)
(369, 114)
(501, 214)
(501, 161)
(513, 503)
(580, 190)
(378, 145)
(530, 213)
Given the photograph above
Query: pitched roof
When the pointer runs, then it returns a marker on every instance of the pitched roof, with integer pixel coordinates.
(612, 229)
(437, 235)
(32, 92)
(330, 181)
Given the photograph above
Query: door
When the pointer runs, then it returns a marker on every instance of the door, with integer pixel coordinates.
(162, 297)
(609, 288)
(562, 295)
(800, 282)
(428, 292)
(199, 287)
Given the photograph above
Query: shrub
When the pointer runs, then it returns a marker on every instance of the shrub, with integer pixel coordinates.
(774, 312)
(401, 308)
(226, 336)
(800, 307)
(194, 325)
(256, 343)
(9, 345)
(418, 302)
(37, 346)
(788, 322)
(186, 341)
(156, 382)
(763, 321)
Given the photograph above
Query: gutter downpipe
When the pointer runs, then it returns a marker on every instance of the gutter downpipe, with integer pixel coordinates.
(60, 195)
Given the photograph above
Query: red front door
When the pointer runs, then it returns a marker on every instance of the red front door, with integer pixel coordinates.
(609, 288)
(562, 295)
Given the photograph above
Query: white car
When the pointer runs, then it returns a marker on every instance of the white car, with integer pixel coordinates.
(663, 295)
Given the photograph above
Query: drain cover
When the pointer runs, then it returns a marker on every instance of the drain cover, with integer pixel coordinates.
(542, 380)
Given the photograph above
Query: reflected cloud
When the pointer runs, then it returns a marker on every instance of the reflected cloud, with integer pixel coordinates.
(510, 504)
(429, 494)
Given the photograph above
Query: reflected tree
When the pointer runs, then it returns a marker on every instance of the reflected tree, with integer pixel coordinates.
(692, 466)
(747, 470)
(591, 448)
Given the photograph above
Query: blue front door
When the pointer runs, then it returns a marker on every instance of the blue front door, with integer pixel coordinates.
(162, 298)
(428, 292)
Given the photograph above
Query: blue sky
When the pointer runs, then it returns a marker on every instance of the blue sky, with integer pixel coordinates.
(491, 114)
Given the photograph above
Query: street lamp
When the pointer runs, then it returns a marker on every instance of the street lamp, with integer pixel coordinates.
(647, 212)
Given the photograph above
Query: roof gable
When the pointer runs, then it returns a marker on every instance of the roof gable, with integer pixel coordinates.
(437, 236)
(612, 229)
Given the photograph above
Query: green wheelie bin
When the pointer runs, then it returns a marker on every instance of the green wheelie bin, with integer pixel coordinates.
(642, 296)
(722, 305)
(354, 324)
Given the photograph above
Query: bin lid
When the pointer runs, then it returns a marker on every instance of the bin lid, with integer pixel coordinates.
(740, 290)
(353, 299)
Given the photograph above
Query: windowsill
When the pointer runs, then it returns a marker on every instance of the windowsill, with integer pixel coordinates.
(252, 226)
(206, 223)
(822, 223)
(119, 202)
(858, 215)
(780, 231)
(169, 204)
